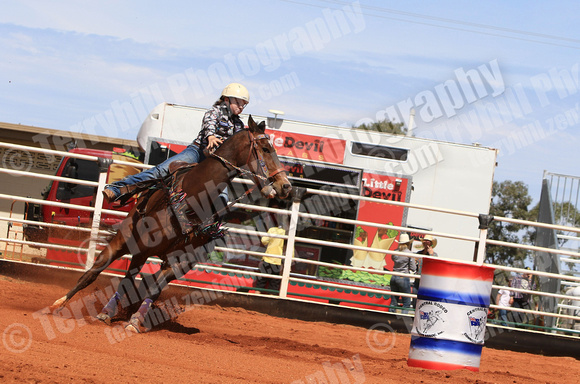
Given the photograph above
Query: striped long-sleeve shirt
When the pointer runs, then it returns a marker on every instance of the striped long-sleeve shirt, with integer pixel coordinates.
(218, 121)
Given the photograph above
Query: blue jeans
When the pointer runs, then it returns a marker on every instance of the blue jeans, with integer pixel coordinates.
(400, 284)
(192, 154)
(503, 316)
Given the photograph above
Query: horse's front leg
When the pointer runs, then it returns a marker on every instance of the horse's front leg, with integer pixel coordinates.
(114, 251)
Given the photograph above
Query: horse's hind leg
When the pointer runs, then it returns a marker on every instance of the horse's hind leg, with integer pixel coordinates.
(126, 287)
(164, 277)
(110, 310)
(115, 250)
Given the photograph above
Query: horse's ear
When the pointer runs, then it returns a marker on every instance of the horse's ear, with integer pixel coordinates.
(251, 123)
(256, 127)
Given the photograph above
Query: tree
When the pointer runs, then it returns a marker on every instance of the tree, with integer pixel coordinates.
(509, 199)
(384, 126)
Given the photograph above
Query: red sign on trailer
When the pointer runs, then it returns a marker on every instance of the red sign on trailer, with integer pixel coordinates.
(389, 188)
(308, 147)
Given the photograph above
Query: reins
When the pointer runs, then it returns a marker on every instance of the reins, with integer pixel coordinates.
(246, 172)
(262, 165)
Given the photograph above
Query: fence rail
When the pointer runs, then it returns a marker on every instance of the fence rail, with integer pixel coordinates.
(566, 310)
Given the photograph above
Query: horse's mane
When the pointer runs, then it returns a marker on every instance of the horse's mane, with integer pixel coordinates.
(236, 136)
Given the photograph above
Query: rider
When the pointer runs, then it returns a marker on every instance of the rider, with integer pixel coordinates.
(219, 123)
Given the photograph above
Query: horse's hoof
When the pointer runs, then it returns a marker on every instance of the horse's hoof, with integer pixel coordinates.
(58, 305)
(54, 308)
(134, 325)
(132, 328)
(104, 318)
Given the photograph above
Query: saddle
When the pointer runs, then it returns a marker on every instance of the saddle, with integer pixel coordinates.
(172, 185)
(180, 166)
(188, 223)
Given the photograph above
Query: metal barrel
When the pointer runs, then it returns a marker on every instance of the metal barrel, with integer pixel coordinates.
(450, 316)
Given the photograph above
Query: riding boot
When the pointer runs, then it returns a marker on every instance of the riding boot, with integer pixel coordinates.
(110, 309)
(137, 321)
(224, 196)
(221, 204)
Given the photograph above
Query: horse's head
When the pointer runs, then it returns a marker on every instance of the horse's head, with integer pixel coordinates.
(267, 162)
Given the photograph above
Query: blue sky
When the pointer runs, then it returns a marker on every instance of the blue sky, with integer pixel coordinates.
(99, 67)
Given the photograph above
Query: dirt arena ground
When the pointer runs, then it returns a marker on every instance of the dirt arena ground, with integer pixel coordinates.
(211, 344)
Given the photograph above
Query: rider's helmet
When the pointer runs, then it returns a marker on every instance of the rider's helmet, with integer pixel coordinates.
(236, 90)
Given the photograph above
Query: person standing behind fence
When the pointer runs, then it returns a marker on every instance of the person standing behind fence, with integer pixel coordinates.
(427, 244)
(403, 264)
(271, 265)
(522, 299)
(504, 299)
(274, 246)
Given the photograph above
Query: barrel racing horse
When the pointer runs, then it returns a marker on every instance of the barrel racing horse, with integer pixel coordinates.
(152, 227)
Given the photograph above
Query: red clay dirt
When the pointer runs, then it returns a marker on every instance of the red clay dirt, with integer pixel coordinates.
(211, 344)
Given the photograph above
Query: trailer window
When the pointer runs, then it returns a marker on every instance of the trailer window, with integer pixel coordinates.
(80, 170)
(381, 151)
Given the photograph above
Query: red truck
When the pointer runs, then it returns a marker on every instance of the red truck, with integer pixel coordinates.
(83, 195)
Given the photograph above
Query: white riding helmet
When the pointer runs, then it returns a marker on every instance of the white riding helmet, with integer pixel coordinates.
(236, 90)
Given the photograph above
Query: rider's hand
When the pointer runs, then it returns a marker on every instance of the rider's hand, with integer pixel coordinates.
(213, 142)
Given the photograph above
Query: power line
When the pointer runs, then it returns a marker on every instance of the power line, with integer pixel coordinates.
(451, 21)
(454, 21)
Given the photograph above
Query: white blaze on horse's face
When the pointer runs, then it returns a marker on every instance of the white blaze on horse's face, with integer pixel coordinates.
(276, 174)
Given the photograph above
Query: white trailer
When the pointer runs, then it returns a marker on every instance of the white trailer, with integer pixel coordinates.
(444, 175)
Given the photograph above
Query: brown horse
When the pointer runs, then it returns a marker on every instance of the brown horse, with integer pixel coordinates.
(152, 228)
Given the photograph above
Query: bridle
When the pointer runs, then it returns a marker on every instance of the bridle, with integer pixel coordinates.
(212, 225)
(259, 179)
(261, 163)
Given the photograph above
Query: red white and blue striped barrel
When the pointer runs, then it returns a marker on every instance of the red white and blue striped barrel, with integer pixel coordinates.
(450, 316)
